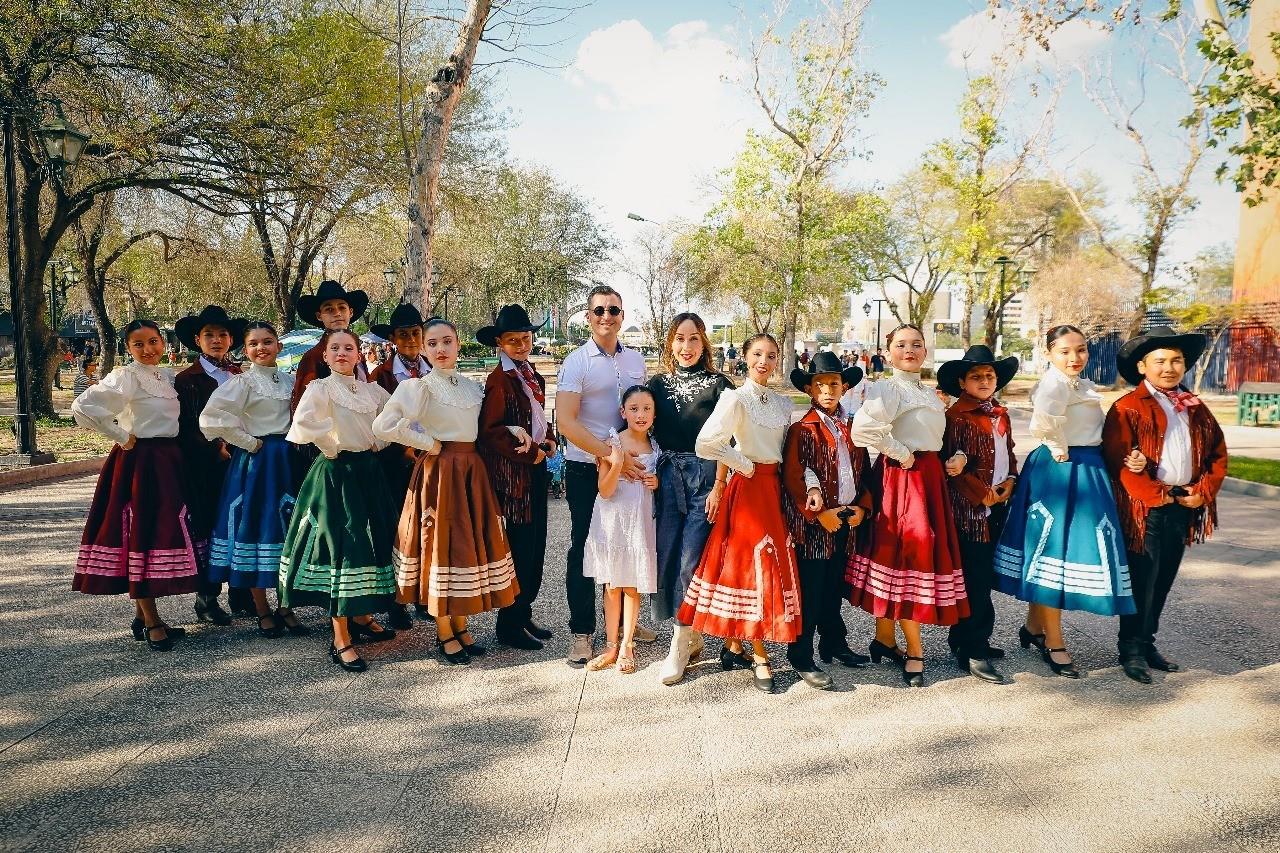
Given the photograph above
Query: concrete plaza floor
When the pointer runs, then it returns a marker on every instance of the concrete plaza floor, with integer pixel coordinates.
(235, 742)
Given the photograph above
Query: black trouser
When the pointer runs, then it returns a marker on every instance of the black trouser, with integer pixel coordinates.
(581, 485)
(971, 636)
(821, 587)
(528, 552)
(1152, 572)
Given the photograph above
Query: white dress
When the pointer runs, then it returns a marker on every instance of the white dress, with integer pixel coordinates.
(622, 544)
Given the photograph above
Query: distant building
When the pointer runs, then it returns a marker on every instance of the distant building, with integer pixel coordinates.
(634, 337)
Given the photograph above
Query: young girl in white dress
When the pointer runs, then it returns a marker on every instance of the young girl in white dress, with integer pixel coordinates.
(622, 545)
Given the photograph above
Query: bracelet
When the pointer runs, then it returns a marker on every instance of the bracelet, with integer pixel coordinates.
(720, 482)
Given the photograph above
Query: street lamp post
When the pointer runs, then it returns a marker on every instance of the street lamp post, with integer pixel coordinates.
(866, 309)
(1025, 272)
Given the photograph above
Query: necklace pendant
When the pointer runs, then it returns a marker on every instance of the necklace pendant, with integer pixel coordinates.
(453, 380)
(764, 398)
(275, 377)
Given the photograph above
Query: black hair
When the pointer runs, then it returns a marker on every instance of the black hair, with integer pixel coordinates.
(438, 321)
(137, 326)
(761, 336)
(87, 360)
(601, 290)
(633, 390)
(260, 324)
(888, 339)
(1058, 332)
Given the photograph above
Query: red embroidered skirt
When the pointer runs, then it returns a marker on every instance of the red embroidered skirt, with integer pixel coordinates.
(909, 566)
(137, 538)
(746, 585)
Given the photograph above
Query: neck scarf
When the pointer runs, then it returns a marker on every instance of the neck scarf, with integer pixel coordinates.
(223, 363)
(1181, 400)
(988, 407)
(526, 373)
(410, 367)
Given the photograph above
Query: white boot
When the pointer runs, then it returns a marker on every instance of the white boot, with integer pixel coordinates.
(678, 657)
(696, 645)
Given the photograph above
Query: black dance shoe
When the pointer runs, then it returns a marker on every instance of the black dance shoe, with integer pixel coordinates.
(209, 610)
(762, 674)
(161, 644)
(473, 649)
(981, 669)
(398, 617)
(912, 679)
(730, 660)
(241, 603)
(846, 657)
(357, 665)
(139, 629)
(1155, 660)
(538, 632)
(458, 658)
(295, 627)
(1026, 639)
(518, 639)
(273, 628)
(880, 650)
(994, 654)
(1136, 668)
(367, 629)
(1066, 670)
(812, 676)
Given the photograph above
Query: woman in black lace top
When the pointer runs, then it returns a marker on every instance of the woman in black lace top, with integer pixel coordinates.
(689, 488)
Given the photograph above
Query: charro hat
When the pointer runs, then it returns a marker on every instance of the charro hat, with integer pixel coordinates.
(403, 317)
(950, 373)
(1191, 345)
(511, 318)
(824, 362)
(188, 328)
(309, 306)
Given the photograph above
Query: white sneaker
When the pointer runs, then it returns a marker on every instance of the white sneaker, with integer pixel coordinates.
(645, 635)
(677, 659)
(580, 651)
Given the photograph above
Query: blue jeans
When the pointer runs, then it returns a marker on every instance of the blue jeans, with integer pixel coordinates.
(684, 481)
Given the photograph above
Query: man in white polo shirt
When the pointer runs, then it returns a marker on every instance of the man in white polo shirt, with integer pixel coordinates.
(588, 405)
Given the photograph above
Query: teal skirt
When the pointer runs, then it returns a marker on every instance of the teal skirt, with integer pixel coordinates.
(337, 551)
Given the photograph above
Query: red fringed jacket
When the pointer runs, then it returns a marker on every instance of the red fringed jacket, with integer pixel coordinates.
(507, 404)
(1137, 420)
(810, 445)
(970, 431)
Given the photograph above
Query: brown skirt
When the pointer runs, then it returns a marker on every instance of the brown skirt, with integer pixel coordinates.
(451, 549)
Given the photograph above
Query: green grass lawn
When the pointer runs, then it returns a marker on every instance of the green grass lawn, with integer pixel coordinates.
(59, 436)
(1257, 470)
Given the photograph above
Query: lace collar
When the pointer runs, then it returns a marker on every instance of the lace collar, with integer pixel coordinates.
(349, 393)
(269, 382)
(913, 392)
(453, 389)
(764, 407)
(154, 381)
(1081, 388)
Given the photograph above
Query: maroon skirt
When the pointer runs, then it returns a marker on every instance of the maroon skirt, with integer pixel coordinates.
(909, 565)
(746, 585)
(137, 538)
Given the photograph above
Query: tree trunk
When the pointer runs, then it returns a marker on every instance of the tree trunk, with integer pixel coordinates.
(441, 97)
(991, 326)
(788, 360)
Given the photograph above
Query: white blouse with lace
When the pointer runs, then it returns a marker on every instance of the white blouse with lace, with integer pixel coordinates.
(336, 413)
(1066, 411)
(131, 400)
(441, 406)
(248, 406)
(755, 418)
(900, 416)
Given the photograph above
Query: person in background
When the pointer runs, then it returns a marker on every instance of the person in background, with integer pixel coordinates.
(87, 377)
(877, 365)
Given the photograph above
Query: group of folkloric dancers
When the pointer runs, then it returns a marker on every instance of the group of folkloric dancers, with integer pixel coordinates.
(416, 487)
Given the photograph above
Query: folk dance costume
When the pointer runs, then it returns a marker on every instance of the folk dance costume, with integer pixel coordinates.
(909, 564)
(982, 431)
(451, 552)
(820, 453)
(747, 585)
(1062, 545)
(337, 551)
(137, 537)
(1186, 454)
(515, 398)
(621, 548)
(251, 413)
(683, 402)
(397, 460)
(311, 365)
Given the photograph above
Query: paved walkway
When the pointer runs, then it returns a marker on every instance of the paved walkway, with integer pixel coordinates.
(239, 743)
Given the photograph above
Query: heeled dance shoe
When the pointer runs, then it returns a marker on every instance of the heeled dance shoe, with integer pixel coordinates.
(730, 660)
(880, 650)
(1066, 670)
(296, 628)
(912, 679)
(357, 665)
(1026, 639)
(209, 610)
(139, 630)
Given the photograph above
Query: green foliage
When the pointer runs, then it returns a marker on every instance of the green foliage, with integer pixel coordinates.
(1255, 470)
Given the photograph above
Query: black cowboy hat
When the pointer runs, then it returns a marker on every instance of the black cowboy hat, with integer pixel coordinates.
(824, 362)
(404, 317)
(188, 328)
(309, 306)
(511, 318)
(1191, 345)
(952, 372)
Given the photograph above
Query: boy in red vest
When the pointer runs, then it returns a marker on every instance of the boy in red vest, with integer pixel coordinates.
(332, 307)
(1171, 503)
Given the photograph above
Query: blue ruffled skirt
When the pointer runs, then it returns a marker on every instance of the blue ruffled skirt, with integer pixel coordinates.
(253, 515)
(1062, 545)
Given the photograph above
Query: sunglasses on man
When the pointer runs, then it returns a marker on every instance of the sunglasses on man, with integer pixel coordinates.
(613, 310)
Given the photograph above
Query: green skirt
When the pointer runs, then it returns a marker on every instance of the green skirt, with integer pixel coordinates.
(337, 552)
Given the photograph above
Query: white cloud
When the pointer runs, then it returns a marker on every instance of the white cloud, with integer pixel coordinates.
(977, 40)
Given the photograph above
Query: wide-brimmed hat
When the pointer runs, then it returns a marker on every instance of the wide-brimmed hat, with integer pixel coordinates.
(309, 306)
(1191, 345)
(824, 362)
(188, 328)
(511, 318)
(952, 372)
(404, 317)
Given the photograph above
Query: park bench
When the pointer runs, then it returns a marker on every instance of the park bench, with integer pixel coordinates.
(477, 364)
(1259, 402)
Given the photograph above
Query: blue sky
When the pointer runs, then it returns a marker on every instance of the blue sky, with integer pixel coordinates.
(638, 117)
